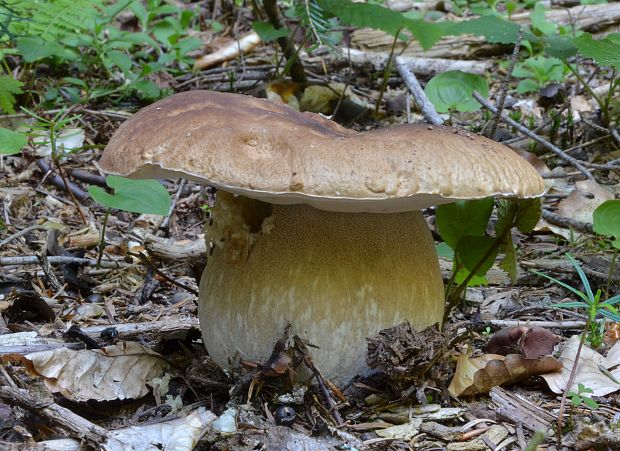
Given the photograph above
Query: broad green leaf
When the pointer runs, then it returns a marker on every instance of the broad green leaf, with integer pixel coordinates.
(365, 15)
(427, 33)
(560, 46)
(606, 219)
(527, 85)
(11, 142)
(137, 196)
(471, 251)
(34, 48)
(463, 218)
(188, 44)
(267, 32)
(495, 29)
(528, 214)
(452, 90)
(9, 88)
(463, 273)
(604, 52)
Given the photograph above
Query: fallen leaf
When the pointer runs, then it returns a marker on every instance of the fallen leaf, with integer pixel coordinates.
(402, 431)
(588, 370)
(114, 372)
(476, 375)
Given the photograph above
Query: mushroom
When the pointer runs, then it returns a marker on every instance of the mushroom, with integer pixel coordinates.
(314, 225)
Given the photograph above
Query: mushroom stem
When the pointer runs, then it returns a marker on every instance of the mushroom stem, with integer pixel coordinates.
(336, 277)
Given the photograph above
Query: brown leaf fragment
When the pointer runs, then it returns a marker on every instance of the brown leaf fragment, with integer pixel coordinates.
(530, 342)
(479, 374)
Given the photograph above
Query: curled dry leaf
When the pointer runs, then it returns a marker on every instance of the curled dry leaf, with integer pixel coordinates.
(530, 342)
(114, 372)
(476, 375)
(590, 369)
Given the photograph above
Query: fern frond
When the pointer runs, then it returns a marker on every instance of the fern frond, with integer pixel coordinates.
(9, 87)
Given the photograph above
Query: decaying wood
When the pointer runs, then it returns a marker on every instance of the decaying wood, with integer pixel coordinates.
(420, 65)
(563, 325)
(516, 408)
(168, 329)
(592, 18)
(58, 415)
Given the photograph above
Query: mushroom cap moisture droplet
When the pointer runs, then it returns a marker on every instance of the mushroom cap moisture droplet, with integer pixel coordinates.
(314, 225)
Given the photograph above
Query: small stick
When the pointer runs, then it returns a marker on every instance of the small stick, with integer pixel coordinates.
(428, 110)
(58, 181)
(21, 233)
(324, 391)
(559, 152)
(165, 223)
(568, 223)
(60, 260)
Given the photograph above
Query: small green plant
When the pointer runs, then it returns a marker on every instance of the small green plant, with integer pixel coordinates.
(580, 398)
(595, 307)
(606, 221)
(537, 72)
(137, 196)
(11, 142)
(462, 226)
(452, 91)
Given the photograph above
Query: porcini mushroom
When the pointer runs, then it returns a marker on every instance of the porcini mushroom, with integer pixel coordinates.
(314, 225)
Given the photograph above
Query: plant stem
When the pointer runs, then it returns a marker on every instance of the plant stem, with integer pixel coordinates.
(587, 87)
(56, 160)
(102, 240)
(569, 384)
(386, 72)
(612, 266)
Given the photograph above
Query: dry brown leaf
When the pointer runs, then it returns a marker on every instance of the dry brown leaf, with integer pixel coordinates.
(114, 372)
(588, 371)
(579, 205)
(476, 375)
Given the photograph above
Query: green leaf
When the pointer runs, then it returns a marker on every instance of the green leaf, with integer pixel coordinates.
(427, 33)
(604, 52)
(471, 251)
(560, 46)
(528, 214)
(137, 196)
(453, 90)
(146, 88)
(495, 29)
(9, 87)
(34, 48)
(11, 142)
(539, 21)
(463, 218)
(267, 32)
(575, 304)
(445, 251)
(582, 276)
(509, 262)
(606, 219)
(120, 60)
(592, 404)
(565, 285)
(365, 15)
(527, 85)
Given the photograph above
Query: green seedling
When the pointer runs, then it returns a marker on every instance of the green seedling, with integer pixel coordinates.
(537, 72)
(595, 308)
(579, 398)
(452, 91)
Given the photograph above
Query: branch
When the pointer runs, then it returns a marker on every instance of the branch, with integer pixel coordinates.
(428, 110)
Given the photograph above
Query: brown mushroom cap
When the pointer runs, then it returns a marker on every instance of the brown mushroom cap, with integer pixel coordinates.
(266, 151)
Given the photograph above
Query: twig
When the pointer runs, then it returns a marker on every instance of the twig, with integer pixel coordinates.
(165, 223)
(565, 222)
(489, 106)
(564, 325)
(21, 233)
(58, 182)
(428, 110)
(61, 260)
(504, 85)
(61, 416)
